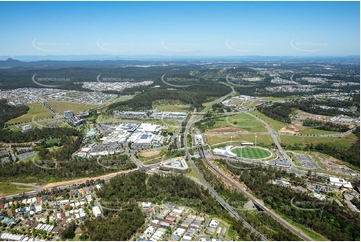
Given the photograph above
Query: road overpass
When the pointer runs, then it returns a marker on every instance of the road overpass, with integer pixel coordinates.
(255, 200)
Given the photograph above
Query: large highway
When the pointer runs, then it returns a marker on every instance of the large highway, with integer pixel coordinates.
(256, 201)
(193, 119)
(274, 135)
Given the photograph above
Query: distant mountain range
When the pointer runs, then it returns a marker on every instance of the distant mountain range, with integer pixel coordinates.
(114, 61)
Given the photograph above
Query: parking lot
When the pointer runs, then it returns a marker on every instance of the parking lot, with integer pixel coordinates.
(26, 155)
(306, 161)
(111, 147)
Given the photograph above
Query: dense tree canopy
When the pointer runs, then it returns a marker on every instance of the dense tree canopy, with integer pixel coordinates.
(335, 222)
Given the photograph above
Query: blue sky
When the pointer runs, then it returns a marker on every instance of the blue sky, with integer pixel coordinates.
(180, 28)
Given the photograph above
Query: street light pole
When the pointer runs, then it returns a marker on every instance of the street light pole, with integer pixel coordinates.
(255, 140)
(241, 151)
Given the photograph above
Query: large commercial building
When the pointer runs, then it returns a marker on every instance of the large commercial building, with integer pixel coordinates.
(75, 121)
(282, 164)
(173, 115)
(26, 128)
(175, 164)
(335, 181)
(226, 152)
(198, 139)
(130, 114)
(149, 127)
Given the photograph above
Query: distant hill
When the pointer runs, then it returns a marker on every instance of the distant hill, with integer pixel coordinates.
(116, 61)
(88, 63)
(10, 63)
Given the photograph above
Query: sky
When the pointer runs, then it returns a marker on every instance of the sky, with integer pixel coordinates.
(180, 28)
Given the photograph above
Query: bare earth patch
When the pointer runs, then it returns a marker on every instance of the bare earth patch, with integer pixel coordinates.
(81, 180)
(149, 153)
(332, 161)
(292, 129)
(225, 129)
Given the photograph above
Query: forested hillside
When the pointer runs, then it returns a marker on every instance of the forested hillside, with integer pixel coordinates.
(193, 95)
(335, 222)
(161, 188)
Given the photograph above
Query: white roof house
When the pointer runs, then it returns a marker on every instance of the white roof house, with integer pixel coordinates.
(96, 211)
(146, 204)
(214, 223)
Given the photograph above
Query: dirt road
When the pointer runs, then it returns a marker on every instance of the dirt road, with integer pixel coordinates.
(81, 180)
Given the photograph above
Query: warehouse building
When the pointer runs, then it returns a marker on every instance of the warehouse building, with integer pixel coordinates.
(129, 114)
(282, 164)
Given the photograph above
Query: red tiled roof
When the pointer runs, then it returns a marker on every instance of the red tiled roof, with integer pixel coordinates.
(168, 222)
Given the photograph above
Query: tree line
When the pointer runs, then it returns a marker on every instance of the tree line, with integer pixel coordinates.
(329, 126)
(60, 170)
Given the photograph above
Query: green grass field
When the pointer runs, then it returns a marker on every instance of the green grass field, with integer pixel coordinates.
(9, 189)
(276, 125)
(73, 95)
(172, 125)
(171, 106)
(61, 107)
(343, 142)
(174, 108)
(251, 152)
(35, 109)
(242, 121)
(246, 122)
(251, 103)
(317, 131)
(152, 159)
(262, 139)
(120, 99)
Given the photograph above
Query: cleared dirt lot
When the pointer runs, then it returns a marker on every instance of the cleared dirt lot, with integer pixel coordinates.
(81, 180)
(292, 129)
(149, 153)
